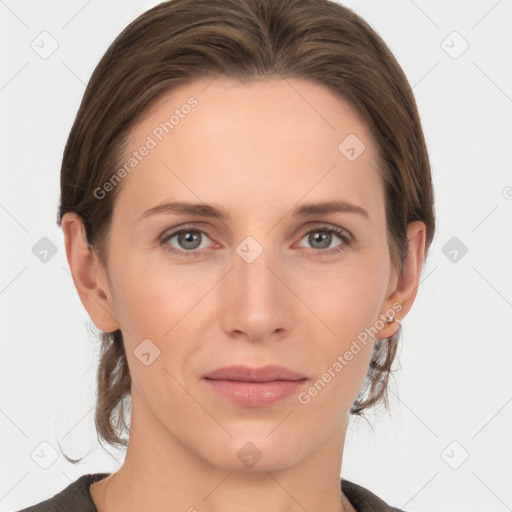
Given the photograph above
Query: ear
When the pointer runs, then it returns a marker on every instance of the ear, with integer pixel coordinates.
(89, 276)
(403, 288)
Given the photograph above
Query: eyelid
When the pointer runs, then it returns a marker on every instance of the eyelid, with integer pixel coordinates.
(319, 225)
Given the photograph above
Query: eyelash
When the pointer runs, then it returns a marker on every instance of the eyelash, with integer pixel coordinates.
(341, 233)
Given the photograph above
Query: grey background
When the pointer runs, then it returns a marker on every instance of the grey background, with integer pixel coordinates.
(445, 445)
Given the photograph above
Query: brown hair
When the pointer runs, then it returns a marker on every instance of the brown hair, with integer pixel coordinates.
(179, 41)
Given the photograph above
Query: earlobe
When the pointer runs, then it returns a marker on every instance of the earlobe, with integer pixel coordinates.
(400, 301)
(88, 275)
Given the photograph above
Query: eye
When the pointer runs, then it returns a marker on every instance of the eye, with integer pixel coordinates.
(321, 238)
(189, 241)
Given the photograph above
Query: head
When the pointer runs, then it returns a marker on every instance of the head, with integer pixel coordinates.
(258, 110)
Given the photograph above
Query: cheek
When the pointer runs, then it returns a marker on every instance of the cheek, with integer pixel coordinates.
(348, 298)
(152, 294)
(349, 304)
(164, 304)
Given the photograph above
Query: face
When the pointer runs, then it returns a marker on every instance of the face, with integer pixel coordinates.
(270, 283)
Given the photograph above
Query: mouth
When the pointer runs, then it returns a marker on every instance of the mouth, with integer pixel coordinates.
(254, 387)
(242, 373)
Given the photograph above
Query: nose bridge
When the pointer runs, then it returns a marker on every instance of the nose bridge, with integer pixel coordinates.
(255, 304)
(253, 259)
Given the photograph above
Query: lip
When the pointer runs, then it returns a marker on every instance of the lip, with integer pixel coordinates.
(254, 387)
(243, 373)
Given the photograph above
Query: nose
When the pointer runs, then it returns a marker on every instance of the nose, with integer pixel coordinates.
(256, 301)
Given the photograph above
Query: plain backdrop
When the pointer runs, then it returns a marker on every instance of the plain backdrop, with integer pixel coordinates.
(445, 445)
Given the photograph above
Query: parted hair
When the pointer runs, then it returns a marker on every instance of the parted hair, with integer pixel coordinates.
(179, 41)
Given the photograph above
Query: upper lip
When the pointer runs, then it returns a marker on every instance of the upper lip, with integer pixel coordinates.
(242, 373)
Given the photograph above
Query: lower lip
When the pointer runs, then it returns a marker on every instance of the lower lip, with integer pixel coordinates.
(255, 394)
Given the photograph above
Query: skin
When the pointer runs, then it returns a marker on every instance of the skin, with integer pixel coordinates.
(257, 150)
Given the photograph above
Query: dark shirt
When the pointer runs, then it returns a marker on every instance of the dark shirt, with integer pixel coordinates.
(77, 498)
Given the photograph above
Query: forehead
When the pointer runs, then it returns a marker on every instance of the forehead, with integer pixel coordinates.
(250, 144)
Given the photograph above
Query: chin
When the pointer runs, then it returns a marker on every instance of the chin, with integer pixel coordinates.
(254, 453)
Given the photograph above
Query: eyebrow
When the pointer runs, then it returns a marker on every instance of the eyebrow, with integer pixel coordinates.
(210, 211)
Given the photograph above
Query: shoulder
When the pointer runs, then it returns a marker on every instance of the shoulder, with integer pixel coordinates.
(75, 497)
(364, 500)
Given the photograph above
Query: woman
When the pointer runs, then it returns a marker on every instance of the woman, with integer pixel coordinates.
(247, 205)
